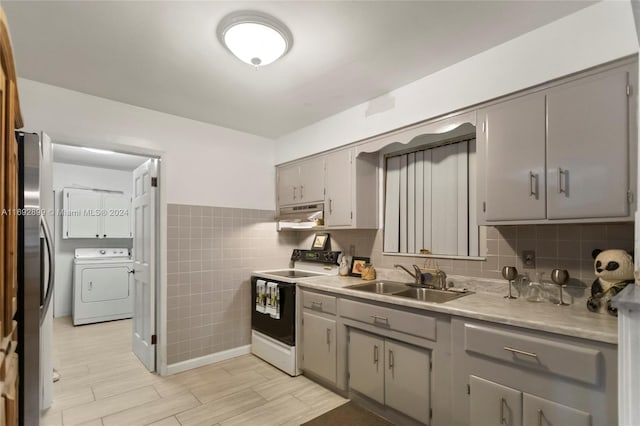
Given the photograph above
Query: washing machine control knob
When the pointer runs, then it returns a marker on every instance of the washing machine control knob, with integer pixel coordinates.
(103, 252)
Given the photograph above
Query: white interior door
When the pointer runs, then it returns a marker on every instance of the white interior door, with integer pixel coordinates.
(143, 254)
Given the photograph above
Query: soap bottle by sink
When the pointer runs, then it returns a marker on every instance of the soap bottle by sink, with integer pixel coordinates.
(343, 270)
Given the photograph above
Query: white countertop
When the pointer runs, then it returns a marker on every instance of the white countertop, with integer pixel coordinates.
(574, 320)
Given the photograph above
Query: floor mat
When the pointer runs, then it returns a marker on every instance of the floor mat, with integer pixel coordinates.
(348, 414)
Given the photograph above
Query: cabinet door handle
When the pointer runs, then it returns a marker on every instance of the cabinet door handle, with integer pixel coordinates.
(375, 354)
(502, 419)
(390, 359)
(315, 304)
(330, 206)
(540, 415)
(294, 192)
(561, 174)
(533, 184)
(518, 351)
(301, 194)
(328, 336)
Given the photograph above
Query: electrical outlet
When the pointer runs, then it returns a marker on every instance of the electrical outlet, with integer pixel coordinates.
(352, 250)
(529, 259)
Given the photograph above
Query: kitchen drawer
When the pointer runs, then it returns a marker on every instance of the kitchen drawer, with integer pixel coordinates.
(389, 319)
(319, 302)
(546, 355)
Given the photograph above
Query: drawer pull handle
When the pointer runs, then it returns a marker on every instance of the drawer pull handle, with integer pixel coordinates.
(518, 351)
(540, 415)
(316, 305)
(377, 318)
(328, 336)
(502, 419)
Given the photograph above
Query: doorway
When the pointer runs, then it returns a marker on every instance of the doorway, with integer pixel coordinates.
(107, 175)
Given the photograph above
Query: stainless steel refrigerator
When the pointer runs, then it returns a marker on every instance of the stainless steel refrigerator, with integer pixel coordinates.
(35, 274)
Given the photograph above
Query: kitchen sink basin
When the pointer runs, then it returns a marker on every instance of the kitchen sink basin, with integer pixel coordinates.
(393, 288)
(430, 294)
(380, 287)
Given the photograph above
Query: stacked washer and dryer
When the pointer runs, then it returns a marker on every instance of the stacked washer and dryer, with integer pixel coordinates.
(102, 285)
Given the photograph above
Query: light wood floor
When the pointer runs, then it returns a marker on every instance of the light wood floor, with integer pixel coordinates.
(102, 383)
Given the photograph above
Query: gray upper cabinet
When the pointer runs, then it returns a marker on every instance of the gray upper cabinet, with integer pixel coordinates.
(588, 147)
(511, 159)
(351, 199)
(338, 209)
(301, 183)
(562, 153)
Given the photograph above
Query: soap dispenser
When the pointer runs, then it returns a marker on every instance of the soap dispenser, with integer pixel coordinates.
(344, 267)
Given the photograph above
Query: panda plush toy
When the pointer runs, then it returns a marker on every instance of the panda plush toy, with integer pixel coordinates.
(614, 271)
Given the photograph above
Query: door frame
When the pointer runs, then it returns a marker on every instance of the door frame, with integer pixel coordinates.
(161, 238)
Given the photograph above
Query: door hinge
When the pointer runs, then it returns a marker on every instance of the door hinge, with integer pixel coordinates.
(154, 182)
(430, 365)
(67, 195)
(484, 206)
(351, 215)
(630, 196)
(628, 90)
(67, 233)
(430, 413)
(348, 338)
(468, 389)
(154, 339)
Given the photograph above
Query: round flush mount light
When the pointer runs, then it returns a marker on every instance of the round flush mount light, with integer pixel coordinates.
(254, 37)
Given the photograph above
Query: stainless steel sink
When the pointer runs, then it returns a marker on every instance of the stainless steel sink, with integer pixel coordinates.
(393, 288)
(380, 287)
(430, 294)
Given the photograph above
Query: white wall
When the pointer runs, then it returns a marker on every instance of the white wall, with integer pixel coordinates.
(68, 175)
(595, 35)
(205, 164)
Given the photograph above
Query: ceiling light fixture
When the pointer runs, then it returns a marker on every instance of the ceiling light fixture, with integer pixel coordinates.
(98, 151)
(254, 37)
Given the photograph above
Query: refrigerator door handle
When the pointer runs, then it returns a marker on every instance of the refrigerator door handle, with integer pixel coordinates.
(48, 242)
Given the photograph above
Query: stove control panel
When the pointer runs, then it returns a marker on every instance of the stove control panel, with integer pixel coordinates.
(318, 256)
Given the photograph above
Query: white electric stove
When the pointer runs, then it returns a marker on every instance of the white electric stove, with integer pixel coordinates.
(273, 335)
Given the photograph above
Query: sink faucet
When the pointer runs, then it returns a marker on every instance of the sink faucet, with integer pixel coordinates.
(416, 276)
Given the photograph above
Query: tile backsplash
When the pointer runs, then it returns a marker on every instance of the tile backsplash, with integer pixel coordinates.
(556, 246)
(211, 252)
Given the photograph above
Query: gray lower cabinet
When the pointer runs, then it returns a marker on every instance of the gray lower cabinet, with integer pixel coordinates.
(392, 373)
(494, 404)
(539, 411)
(518, 377)
(319, 346)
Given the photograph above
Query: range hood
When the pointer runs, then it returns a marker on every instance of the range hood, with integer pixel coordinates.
(301, 214)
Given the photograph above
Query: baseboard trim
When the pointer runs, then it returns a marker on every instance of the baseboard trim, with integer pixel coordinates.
(207, 359)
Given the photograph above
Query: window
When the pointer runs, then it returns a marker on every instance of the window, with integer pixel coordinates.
(429, 203)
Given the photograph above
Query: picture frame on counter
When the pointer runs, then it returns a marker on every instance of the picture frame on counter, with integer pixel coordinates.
(320, 241)
(357, 265)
